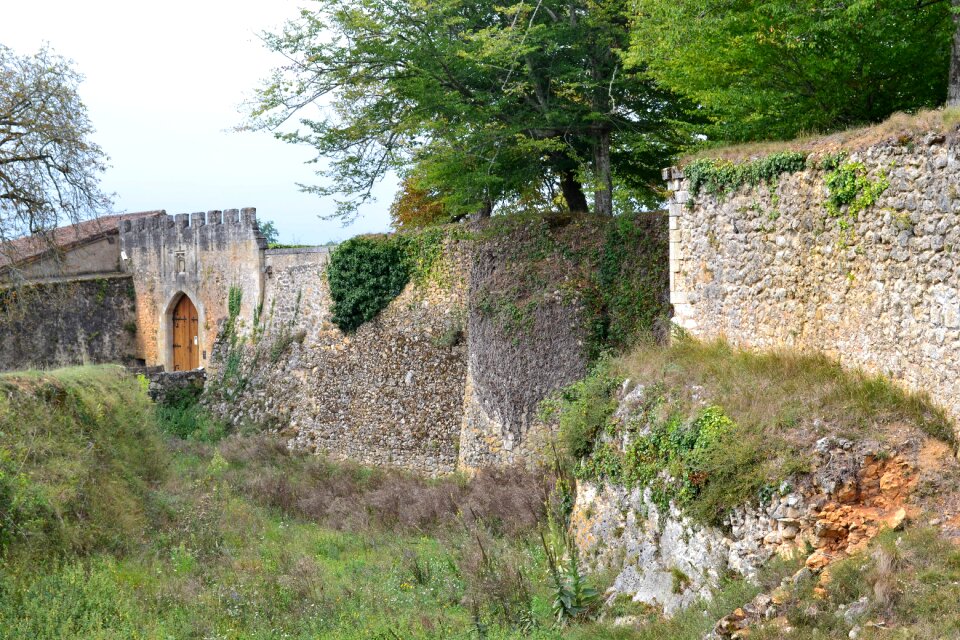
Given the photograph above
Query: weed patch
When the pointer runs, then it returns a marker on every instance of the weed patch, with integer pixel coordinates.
(763, 412)
(181, 415)
(721, 177)
(78, 453)
(851, 192)
(909, 581)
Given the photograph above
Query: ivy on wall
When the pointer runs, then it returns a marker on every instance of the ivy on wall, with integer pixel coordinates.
(367, 272)
(851, 191)
(233, 353)
(721, 177)
(629, 296)
(616, 267)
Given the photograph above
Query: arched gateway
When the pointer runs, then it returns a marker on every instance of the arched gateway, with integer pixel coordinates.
(185, 335)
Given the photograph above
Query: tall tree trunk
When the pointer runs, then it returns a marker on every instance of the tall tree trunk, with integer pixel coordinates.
(573, 192)
(953, 88)
(485, 210)
(603, 191)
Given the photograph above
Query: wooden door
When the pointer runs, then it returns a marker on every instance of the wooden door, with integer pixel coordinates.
(186, 336)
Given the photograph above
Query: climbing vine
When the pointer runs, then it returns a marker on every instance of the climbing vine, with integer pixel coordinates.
(851, 191)
(233, 353)
(367, 272)
(234, 297)
(721, 177)
(614, 269)
(629, 279)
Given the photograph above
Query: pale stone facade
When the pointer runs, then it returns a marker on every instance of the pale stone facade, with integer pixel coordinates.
(201, 255)
(769, 267)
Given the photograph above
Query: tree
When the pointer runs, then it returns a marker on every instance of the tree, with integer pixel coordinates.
(778, 68)
(49, 167)
(485, 103)
(416, 207)
(269, 231)
(953, 85)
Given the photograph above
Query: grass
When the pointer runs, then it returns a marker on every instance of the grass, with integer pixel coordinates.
(181, 415)
(723, 427)
(113, 528)
(78, 456)
(900, 127)
(797, 395)
(911, 581)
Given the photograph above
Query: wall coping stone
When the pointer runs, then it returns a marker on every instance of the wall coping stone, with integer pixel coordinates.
(295, 250)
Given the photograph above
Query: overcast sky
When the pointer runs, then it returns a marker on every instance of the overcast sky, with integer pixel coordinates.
(163, 84)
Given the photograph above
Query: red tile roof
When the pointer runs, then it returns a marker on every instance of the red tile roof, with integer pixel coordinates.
(65, 238)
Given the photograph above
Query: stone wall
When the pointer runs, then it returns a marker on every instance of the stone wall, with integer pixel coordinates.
(768, 266)
(201, 255)
(514, 364)
(389, 393)
(448, 376)
(544, 299)
(68, 323)
(175, 383)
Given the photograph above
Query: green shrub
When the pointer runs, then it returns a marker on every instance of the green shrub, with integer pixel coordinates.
(24, 512)
(367, 272)
(676, 457)
(181, 415)
(583, 410)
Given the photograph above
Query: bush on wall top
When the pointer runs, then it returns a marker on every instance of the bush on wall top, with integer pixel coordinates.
(365, 273)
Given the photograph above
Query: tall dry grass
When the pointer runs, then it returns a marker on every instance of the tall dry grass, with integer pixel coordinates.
(898, 127)
(346, 496)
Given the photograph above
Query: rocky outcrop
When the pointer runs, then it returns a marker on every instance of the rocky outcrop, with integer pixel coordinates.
(663, 558)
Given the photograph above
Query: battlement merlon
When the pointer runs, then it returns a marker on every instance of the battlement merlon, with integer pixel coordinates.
(141, 228)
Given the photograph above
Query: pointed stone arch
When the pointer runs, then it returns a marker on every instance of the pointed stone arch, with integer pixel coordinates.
(181, 332)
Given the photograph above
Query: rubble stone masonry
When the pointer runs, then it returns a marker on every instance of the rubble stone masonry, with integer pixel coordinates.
(768, 266)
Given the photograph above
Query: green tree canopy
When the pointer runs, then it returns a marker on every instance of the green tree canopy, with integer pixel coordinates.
(485, 103)
(776, 68)
(269, 232)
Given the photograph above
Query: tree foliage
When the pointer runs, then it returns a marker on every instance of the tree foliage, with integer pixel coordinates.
(415, 207)
(778, 68)
(269, 232)
(486, 103)
(49, 167)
